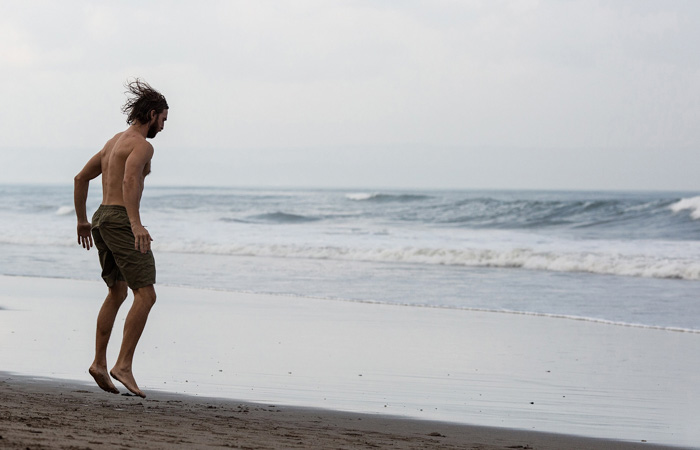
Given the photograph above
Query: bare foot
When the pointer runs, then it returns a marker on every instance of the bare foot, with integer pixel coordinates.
(126, 378)
(102, 379)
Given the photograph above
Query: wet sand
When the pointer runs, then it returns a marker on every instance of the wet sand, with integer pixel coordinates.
(45, 413)
(488, 372)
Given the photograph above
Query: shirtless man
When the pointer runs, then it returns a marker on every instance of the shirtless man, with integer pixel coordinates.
(123, 243)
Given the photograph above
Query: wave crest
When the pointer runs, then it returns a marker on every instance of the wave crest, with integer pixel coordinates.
(692, 204)
(282, 217)
(65, 210)
(380, 197)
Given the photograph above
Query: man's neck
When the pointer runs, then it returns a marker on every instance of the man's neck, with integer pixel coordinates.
(140, 128)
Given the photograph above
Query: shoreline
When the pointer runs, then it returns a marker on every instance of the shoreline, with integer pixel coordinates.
(53, 413)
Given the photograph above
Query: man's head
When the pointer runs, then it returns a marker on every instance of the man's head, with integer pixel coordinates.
(157, 123)
(146, 106)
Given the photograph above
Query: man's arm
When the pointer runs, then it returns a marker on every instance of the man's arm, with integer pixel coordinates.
(132, 188)
(92, 169)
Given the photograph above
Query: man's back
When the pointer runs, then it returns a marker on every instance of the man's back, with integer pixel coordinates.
(114, 158)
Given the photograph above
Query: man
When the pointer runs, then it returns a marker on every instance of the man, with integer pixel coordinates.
(123, 243)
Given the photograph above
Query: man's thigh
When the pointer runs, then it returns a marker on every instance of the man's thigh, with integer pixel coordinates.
(110, 270)
(138, 269)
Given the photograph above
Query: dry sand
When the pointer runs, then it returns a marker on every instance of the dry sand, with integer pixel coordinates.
(45, 413)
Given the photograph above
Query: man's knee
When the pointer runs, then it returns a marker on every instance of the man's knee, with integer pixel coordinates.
(118, 291)
(146, 295)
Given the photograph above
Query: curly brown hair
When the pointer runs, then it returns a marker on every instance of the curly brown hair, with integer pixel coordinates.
(144, 99)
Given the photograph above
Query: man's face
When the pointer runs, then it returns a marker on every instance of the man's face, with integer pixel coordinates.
(157, 124)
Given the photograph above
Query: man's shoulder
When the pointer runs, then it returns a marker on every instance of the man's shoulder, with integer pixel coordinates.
(112, 142)
(128, 142)
(143, 145)
(139, 148)
(115, 138)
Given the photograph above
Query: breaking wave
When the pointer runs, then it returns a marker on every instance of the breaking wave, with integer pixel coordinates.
(281, 217)
(688, 204)
(597, 263)
(65, 210)
(379, 197)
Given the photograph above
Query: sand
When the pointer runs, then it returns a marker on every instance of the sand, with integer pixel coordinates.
(498, 372)
(68, 415)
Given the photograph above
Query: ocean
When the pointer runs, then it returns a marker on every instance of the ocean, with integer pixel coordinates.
(623, 258)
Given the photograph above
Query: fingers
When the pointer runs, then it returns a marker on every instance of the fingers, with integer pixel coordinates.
(85, 241)
(142, 243)
(85, 236)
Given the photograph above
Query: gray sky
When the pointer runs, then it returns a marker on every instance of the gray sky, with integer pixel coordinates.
(412, 94)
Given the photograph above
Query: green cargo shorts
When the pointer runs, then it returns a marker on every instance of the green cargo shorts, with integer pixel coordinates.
(111, 231)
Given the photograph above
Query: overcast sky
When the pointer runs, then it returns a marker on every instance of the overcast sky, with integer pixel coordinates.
(362, 94)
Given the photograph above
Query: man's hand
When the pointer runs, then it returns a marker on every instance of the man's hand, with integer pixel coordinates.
(142, 240)
(84, 235)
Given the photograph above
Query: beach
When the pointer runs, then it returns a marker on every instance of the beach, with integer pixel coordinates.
(426, 366)
(449, 225)
(44, 413)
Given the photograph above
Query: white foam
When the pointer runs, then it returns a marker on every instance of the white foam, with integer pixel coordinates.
(19, 239)
(647, 266)
(65, 210)
(692, 204)
(359, 196)
(653, 264)
(525, 313)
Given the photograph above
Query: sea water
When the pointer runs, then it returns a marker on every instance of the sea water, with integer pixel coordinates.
(627, 258)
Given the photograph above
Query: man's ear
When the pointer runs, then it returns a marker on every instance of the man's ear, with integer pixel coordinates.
(152, 114)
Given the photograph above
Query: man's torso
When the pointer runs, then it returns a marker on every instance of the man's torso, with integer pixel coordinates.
(113, 158)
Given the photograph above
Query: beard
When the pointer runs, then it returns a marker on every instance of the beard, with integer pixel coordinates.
(152, 131)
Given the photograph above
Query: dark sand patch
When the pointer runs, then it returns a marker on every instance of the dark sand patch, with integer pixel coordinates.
(63, 414)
